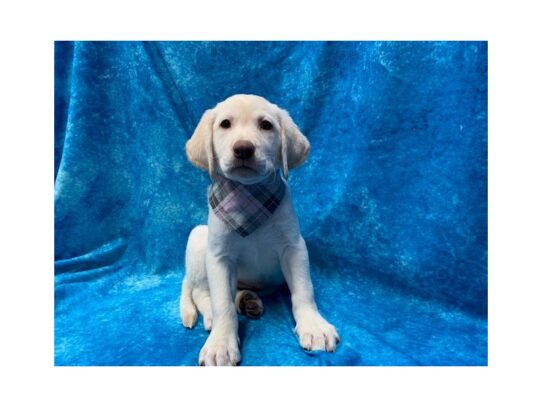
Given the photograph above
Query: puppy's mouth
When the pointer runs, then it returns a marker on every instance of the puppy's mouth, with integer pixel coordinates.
(244, 170)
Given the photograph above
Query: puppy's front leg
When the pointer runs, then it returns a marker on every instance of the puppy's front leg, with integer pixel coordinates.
(314, 332)
(222, 345)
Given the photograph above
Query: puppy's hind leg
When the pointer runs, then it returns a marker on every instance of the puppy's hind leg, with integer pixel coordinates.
(195, 279)
(248, 303)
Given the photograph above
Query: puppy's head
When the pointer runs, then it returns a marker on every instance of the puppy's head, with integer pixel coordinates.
(245, 138)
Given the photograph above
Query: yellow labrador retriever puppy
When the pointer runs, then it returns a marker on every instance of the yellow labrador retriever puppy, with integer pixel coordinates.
(252, 240)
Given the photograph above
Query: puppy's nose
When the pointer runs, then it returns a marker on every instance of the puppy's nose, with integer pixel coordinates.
(243, 149)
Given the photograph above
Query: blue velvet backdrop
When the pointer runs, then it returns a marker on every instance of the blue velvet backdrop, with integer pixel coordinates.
(392, 201)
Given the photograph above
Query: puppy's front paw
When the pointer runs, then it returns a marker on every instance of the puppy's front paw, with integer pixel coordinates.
(315, 333)
(220, 350)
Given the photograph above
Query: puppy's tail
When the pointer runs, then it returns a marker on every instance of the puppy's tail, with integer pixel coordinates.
(188, 310)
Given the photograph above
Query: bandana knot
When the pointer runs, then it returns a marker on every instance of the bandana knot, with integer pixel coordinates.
(244, 208)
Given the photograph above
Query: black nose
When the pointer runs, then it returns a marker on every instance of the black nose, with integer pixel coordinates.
(243, 150)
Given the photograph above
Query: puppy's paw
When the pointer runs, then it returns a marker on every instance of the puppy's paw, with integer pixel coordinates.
(220, 350)
(189, 316)
(248, 303)
(315, 333)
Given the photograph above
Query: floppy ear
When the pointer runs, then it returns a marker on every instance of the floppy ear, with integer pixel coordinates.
(294, 145)
(199, 149)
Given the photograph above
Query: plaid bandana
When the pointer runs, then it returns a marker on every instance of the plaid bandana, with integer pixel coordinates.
(246, 207)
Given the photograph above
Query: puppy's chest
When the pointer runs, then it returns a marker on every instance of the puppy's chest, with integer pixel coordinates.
(258, 265)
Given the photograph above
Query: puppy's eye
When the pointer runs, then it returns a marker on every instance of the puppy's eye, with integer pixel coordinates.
(266, 125)
(225, 124)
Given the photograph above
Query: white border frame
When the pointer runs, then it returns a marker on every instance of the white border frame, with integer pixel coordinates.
(28, 32)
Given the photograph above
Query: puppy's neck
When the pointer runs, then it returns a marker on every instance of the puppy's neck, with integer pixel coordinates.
(246, 207)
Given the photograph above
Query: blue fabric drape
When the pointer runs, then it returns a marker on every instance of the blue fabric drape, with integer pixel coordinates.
(392, 201)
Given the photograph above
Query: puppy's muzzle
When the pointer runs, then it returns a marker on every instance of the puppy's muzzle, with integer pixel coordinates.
(243, 150)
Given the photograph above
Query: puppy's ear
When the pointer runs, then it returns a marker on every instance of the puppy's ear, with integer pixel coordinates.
(199, 149)
(294, 145)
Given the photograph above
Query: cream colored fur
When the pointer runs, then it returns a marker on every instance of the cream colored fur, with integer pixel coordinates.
(218, 260)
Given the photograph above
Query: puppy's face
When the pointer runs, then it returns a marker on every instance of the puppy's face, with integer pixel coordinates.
(245, 138)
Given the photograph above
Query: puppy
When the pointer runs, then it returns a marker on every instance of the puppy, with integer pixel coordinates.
(252, 241)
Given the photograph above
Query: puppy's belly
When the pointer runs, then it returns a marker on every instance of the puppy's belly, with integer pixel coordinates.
(259, 269)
